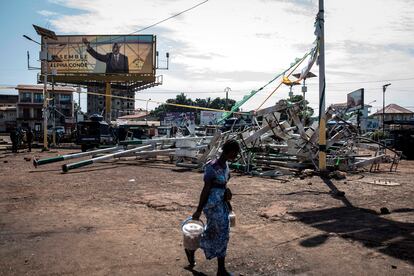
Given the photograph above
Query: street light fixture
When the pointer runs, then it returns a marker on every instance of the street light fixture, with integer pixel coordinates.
(384, 88)
(147, 106)
(31, 39)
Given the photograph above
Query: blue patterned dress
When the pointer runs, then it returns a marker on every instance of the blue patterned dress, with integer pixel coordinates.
(216, 236)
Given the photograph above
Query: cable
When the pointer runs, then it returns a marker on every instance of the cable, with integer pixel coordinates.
(297, 65)
(175, 15)
(157, 23)
(357, 82)
(165, 103)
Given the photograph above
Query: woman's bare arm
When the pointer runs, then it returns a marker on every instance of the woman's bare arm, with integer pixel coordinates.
(203, 199)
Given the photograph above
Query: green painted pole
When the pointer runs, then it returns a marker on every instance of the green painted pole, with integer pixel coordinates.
(157, 140)
(68, 167)
(38, 162)
(47, 160)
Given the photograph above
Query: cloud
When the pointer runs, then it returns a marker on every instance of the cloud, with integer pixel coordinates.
(298, 7)
(47, 13)
(243, 44)
(310, 4)
(270, 35)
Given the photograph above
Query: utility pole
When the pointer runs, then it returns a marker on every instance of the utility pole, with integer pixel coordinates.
(322, 86)
(45, 96)
(384, 88)
(45, 58)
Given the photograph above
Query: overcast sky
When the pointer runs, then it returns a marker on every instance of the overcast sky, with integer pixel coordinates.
(239, 44)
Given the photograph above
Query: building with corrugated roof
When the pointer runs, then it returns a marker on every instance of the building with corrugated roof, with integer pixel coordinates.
(394, 112)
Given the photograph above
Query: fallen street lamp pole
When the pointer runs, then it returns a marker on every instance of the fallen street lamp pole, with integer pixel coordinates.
(39, 162)
(68, 167)
(149, 153)
(158, 140)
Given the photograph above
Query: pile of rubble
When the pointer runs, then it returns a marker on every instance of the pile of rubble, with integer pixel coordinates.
(277, 143)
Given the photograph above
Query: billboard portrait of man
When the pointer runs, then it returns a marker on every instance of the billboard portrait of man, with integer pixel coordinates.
(115, 61)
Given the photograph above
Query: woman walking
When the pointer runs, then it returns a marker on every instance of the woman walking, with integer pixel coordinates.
(214, 202)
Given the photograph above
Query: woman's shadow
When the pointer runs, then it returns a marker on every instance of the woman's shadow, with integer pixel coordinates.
(195, 272)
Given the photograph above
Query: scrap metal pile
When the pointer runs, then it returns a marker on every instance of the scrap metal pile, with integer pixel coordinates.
(277, 143)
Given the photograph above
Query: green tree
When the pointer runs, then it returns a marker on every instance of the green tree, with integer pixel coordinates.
(306, 112)
(217, 103)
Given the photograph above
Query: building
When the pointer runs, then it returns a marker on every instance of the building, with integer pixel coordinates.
(137, 115)
(8, 112)
(119, 106)
(30, 107)
(7, 118)
(394, 112)
(8, 100)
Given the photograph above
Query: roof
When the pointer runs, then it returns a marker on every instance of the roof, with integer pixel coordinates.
(394, 109)
(137, 115)
(345, 105)
(339, 105)
(11, 99)
(138, 123)
(41, 87)
(7, 108)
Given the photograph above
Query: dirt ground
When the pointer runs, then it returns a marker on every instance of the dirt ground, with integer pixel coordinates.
(124, 218)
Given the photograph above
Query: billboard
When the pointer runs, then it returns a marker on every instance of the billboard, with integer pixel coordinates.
(178, 118)
(209, 117)
(102, 54)
(355, 99)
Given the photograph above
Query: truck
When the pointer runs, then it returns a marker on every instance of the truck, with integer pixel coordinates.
(94, 132)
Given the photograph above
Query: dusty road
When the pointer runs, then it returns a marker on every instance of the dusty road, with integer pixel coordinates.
(123, 219)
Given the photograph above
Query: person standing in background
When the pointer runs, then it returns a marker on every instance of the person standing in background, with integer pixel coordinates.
(14, 139)
(29, 138)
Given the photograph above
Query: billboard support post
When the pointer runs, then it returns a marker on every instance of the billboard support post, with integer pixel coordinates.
(54, 113)
(359, 121)
(108, 102)
(355, 101)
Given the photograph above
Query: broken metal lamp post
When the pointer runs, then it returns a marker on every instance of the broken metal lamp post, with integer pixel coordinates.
(39, 162)
(68, 167)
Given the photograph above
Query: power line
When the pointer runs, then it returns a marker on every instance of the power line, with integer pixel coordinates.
(357, 82)
(175, 15)
(157, 23)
